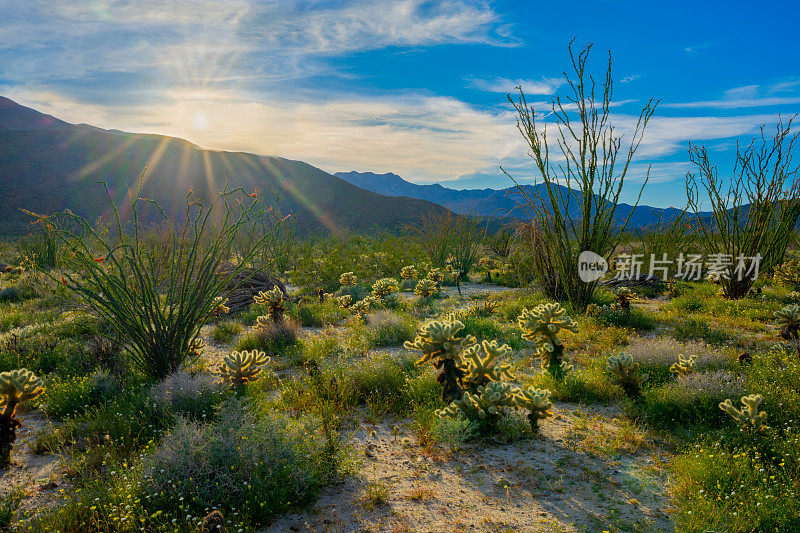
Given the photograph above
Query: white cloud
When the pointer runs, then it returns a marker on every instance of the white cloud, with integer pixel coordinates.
(506, 85)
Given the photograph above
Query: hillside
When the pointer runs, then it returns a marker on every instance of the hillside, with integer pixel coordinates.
(47, 165)
(486, 202)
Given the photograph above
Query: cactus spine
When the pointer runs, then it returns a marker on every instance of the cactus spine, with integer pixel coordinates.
(626, 373)
(749, 417)
(541, 325)
(16, 387)
(536, 402)
(274, 302)
(440, 343)
(480, 371)
(242, 367)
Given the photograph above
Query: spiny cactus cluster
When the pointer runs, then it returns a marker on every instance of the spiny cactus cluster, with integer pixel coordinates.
(441, 344)
(408, 272)
(274, 301)
(16, 386)
(488, 404)
(624, 298)
(436, 275)
(344, 301)
(626, 373)
(788, 319)
(541, 325)
(480, 366)
(426, 288)
(347, 279)
(219, 308)
(242, 367)
(536, 402)
(788, 274)
(685, 365)
(384, 287)
(362, 306)
(749, 417)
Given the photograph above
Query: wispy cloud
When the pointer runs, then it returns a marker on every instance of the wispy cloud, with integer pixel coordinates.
(506, 85)
(695, 48)
(752, 95)
(630, 78)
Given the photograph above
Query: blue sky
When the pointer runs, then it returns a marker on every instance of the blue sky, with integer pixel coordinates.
(409, 86)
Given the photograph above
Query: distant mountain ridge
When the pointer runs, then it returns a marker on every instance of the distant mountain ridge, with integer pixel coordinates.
(47, 165)
(488, 202)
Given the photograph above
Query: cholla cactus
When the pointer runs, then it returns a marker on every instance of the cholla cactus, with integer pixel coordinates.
(219, 308)
(624, 298)
(362, 306)
(436, 275)
(788, 274)
(347, 279)
(684, 365)
(749, 417)
(408, 272)
(793, 296)
(242, 367)
(536, 402)
(440, 343)
(673, 291)
(426, 288)
(487, 406)
(384, 287)
(16, 387)
(480, 371)
(345, 301)
(788, 319)
(485, 309)
(487, 263)
(274, 301)
(541, 325)
(626, 373)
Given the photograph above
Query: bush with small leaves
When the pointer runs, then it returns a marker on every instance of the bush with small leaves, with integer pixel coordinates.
(536, 402)
(348, 279)
(626, 373)
(788, 319)
(16, 386)
(344, 301)
(749, 417)
(541, 325)
(274, 301)
(384, 287)
(243, 367)
(487, 406)
(481, 370)
(440, 343)
(685, 365)
(408, 272)
(426, 288)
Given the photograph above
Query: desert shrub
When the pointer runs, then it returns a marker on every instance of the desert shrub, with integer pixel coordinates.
(585, 385)
(657, 354)
(157, 289)
(67, 396)
(690, 329)
(225, 332)
(194, 396)
(386, 328)
(691, 400)
(636, 318)
(274, 338)
(356, 292)
(246, 462)
(484, 328)
(316, 314)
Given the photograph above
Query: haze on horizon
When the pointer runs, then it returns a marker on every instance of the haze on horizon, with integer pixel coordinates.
(413, 87)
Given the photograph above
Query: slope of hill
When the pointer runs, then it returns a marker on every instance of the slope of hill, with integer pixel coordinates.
(486, 202)
(47, 165)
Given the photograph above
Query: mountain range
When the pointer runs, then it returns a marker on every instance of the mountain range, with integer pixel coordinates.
(48, 165)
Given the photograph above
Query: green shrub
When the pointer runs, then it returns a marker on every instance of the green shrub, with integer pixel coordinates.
(317, 314)
(274, 338)
(225, 332)
(689, 329)
(385, 328)
(636, 318)
(72, 395)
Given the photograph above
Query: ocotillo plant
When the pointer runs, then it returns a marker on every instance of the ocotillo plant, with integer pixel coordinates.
(685, 365)
(626, 373)
(440, 343)
(481, 370)
(536, 402)
(274, 301)
(788, 319)
(16, 387)
(749, 417)
(541, 325)
(242, 367)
